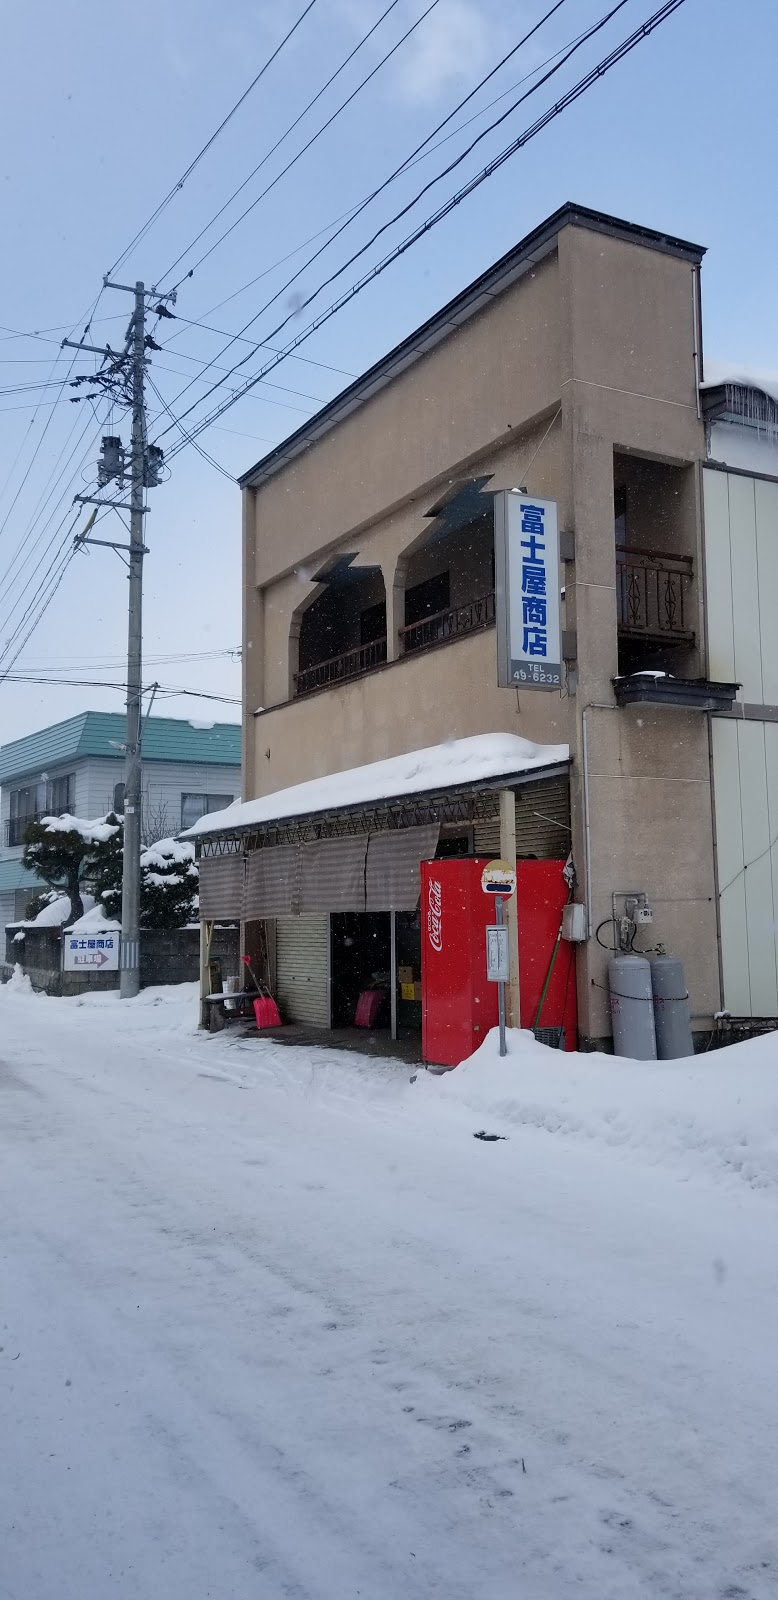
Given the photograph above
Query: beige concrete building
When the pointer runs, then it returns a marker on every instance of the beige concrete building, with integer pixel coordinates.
(571, 367)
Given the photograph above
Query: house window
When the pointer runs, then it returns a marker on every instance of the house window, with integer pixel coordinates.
(49, 797)
(61, 795)
(195, 806)
(28, 803)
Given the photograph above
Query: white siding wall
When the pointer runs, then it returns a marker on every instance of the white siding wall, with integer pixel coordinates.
(741, 545)
(164, 782)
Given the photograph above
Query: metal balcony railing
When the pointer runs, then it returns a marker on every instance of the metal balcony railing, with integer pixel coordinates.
(15, 827)
(351, 664)
(450, 624)
(652, 594)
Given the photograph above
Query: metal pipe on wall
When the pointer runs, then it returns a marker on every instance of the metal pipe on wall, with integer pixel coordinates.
(393, 972)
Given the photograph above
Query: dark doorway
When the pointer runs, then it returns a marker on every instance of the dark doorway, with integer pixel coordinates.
(360, 959)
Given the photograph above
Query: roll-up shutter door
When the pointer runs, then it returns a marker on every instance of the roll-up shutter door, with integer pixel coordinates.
(221, 887)
(542, 822)
(332, 874)
(272, 882)
(543, 819)
(302, 968)
(392, 878)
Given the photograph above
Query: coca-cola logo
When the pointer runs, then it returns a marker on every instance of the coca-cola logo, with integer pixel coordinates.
(435, 914)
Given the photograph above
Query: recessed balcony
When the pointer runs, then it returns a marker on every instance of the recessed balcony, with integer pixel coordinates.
(449, 624)
(653, 596)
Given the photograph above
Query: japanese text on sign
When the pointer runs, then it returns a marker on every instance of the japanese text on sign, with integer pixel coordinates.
(91, 952)
(527, 551)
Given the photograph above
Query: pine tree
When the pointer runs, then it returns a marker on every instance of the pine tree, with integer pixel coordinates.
(168, 885)
(63, 851)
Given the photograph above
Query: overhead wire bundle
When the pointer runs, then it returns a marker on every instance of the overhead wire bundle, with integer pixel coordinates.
(25, 609)
(592, 76)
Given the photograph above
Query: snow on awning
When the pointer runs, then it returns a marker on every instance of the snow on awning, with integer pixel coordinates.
(460, 763)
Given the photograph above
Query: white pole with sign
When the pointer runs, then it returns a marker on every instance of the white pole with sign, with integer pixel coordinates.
(527, 601)
(499, 879)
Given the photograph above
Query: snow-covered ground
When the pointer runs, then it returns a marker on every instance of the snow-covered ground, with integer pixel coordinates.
(274, 1324)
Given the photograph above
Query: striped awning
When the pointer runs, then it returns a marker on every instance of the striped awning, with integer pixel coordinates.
(272, 883)
(361, 872)
(221, 887)
(332, 874)
(392, 880)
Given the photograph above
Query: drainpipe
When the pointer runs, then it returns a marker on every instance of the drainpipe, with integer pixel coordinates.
(593, 705)
(587, 827)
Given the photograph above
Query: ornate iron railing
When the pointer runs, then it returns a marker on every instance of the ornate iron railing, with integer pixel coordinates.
(450, 624)
(652, 594)
(16, 827)
(363, 658)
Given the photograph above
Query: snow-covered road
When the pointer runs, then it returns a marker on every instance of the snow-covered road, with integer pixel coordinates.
(274, 1324)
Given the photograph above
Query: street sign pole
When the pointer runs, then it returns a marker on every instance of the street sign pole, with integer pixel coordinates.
(501, 985)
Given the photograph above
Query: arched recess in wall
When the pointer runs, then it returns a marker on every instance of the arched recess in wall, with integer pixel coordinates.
(444, 579)
(339, 630)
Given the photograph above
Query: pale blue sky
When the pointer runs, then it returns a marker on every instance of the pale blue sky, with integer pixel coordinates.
(103, 108)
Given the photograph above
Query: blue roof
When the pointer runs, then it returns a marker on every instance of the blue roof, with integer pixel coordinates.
(102, 733)
(14, 876)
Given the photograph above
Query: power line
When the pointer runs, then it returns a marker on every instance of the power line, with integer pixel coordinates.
(573, 94)
(33, 419)
(168, 690)
(189, 439)
(306, 147)
(209, 142)
(437, 216)
(280, 140)
(8, 581)
(72, 663)
(355, 212)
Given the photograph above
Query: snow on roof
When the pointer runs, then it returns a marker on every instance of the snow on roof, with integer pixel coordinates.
(720, 372)
(441, 766)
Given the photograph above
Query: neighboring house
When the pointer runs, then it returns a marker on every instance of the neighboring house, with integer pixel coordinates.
(740, 485)
(573, 367)
(77, 766)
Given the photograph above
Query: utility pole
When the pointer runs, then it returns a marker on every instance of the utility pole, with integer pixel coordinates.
(125, 371)
(129, 974)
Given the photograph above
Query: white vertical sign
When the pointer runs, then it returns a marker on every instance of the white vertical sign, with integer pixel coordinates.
(529, 639)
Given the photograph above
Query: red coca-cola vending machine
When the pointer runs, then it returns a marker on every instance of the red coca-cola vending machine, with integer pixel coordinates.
(459, 1004)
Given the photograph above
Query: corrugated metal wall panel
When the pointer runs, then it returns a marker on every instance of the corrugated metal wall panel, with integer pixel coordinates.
(543, 820)
(303, 968)
(732, 889)
(486, 837)
(741, 545)
(718, 570)
(760, 915)
(745, 772)
(766, 496)
(745, 588)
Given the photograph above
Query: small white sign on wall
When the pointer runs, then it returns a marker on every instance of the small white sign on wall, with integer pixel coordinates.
(91, 952)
